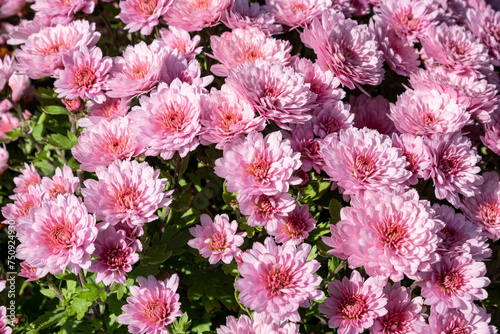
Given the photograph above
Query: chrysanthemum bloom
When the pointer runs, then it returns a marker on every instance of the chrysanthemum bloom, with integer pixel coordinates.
(456, 50)
(304, 142)
(28, 272)
(4, 329)
(107, 110)
(391, 235)
(455, 321)
(243, 15)
(153, 305)
(224, 117)
(10, 8)
(115, 255)
(42, 54)
(127, 191)
(22, 31)
(169, 119)
(278, 279)
(362, 160)
(23, 204)
(331, 118)
(429, 112)
(296, 226)
(459, 236)
(242, 45)
(372, 113)
(353, 304)
(267, 211)
(485, 24)
(415, 152)
(242, 325)
(491, 138)
(4, 159)
(29, 177)
(20, 85)
(257, 165)
(6, 70)
(404, 314)
(75, 105)
(454, 283)
(60, 233)
(453, 167)
(66, 9)
(194, 15)
(142, 15)
(176, 66)
(296, 13)
(217, 240)
(137, 72)
(62, 182)
(276, 91)
(347, 49)
(483, 209)
(84, 75)
(103, 143)
(180, 40)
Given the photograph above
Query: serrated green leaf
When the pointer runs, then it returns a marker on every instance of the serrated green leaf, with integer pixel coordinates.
(156, 254)
(120, 289)
(79, 306)
(48, 319)
(181, 325)
(55, 110)
(90, 293)
(49, 293)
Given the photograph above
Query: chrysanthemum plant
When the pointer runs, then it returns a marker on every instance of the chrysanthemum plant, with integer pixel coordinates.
(234, 166)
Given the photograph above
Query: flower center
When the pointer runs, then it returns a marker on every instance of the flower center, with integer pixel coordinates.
(353, 307)
(60, 235)
(449, 165)
(139, 71)
(295, 225)
(265, 206)
(156, 310)
(126, 199)
(396, 323)
(56, 189)
(393, 233)
(489, 213)
(277, 280)
(229, 118)
(25, 208)
(298, 7)
(172, 117)
(201, 4)
(461, 330)
(109, 110)
(116, 145)
(251, 55)
(218, 242)
(147, 6)
(54, 49)
(259, 168)
(85, 77)
(333, 125)
(451, 281)
(115, 257)
(364, 165)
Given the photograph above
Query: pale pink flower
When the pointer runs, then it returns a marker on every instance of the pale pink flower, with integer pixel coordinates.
(331, 118)
(455, 321)
(278, 279)
(10, 8)
(43, 51)
(453, 167)
(276, 91)
(6, 70)
(217, 240)
(415, 152)
(296, 226)
(29, 177)
(127, 191)
(349, 50)
(4, 159)
(362, 160)
(304, 142)
(194, 15)
(105, 142)
(242, 325)
(257, 165)
(8, 122)
(491, 138)
(169, 119)
(372, 113)
(60, 233)
(75, 105)
(176, 66)
(454, 283)
(353, 304)
(114, 254)
(62, 182)
(485, 24)
(243, 15)
(142, 15)
(21, 32)
(4, 329)
(246, 45)
(63, 8)
(23, 204)
(224, 117)
(264, 323)
(153, 305)
(28, 272)
(107, 110)
(295, 13)
(3, 284)
(179, 39)
(20, 85)
(266, 211)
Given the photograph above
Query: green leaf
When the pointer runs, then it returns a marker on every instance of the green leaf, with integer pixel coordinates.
(120, 289)
(227, 196)
(156, 254)
(79, 306)
(181, 325)
(90, 293)
(182, 200)
(55, 110)
(334, 207)
(37, 132)
(49, 293)
(48, 319)
(61, 141)
(314, 191)
(45, 93)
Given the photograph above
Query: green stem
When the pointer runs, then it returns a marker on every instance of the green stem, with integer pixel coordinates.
(56, 289)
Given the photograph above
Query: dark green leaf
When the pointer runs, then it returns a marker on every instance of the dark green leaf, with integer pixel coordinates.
(55, 110)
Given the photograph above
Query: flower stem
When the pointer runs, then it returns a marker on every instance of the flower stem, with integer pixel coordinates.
(55, 288)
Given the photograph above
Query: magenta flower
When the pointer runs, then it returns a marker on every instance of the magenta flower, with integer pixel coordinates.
(217, 240)
(194, 15)
(29, 177)
(60, 233)
(243, 15)
(278, 279)
(29, 272)
(455, 321)
(296, 13)
(142, 15)
(296, 226)
(257, 165)
(4, 329)
(416, 153)
(127, 191)
(485, 24)
(153, 305)
(353, 304)
(62, 182)
(107, 110)
(372, 113)
(347, 49)
(331, 118)
(180, 40)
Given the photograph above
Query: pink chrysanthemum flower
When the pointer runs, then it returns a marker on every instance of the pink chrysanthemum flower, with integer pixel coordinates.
(180, 40)
(453, 167)
(28, 272)
(115, 255)
(64, 9)
(23, 204)
(404, 314)
(176, 66)
(296, 13)
(456, 50)
(29, 177)
(455, 321)
(242, 325)
(278, 279)
(6, 70)
(62, 182)
(74, 105)
(454, 283)
(353, 304)
(42, 54)
(243, 15)
(347, 49)
(137, 72)
(21, 32)
(372, 113)
(85, 74)
(4, 329)
(460, 237)
(415, 152)
(107, 110)
(194, 15)
(261, 324)
(429, 112)
(304, 142)
(276, 91)
(391, 235)
(127, 191)
(224, 117)
(485, 24)
(331, 118)
(242, 45)
(257, 165)
(4, 159)
(101, 144)
(266, 211)
(20, 85)
(217, 240)
(60, 233)
(362, 160)
(10, 8)
(142, 15)
(169, 119)
(296, 226)
(491, 138)
(153, 305)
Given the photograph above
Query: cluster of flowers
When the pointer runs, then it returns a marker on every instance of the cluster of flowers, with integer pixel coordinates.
(152, 100)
